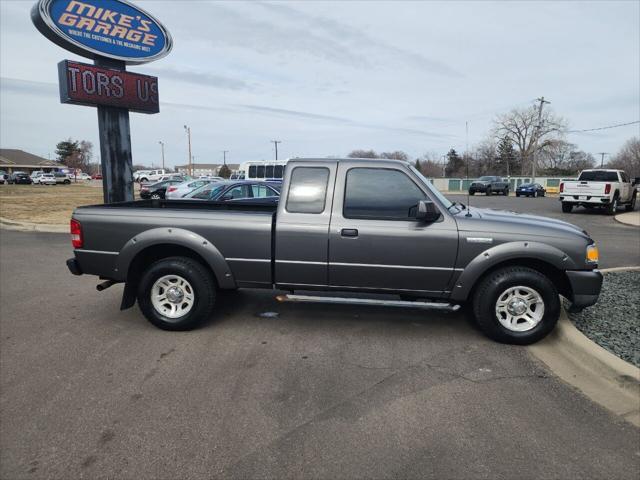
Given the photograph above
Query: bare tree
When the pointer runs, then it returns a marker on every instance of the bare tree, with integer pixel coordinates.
(363, 154)
(628, 158)
(430, 165)
(520, 126)
(397, 155)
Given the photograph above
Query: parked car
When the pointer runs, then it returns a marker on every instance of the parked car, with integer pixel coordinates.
(4, 176)
(211, 178)
(604, 188)
(157, 190)
(46, 179)
(531, 190)
(20, 178)
(234, 190)
(35, 176)
(151, 176)
(61, 178)
(332, 232)
(489, 185)
(96, 176)
(184, 188)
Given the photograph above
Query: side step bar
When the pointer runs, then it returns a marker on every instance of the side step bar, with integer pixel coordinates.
(366, 301)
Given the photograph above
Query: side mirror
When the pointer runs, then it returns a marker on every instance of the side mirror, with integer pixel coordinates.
(427, 211)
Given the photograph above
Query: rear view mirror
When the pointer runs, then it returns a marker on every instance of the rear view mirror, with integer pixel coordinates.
(427, 211)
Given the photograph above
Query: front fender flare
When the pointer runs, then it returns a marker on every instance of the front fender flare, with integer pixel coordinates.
(183, 238)
(521, 250)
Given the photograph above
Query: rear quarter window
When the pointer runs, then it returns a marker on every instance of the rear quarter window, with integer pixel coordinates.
(307, 190)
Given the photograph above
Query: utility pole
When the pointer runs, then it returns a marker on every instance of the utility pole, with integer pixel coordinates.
(602, 158)
(224, 156)
(276, 142)
(535, 151)
(188, 130)
(162, 148)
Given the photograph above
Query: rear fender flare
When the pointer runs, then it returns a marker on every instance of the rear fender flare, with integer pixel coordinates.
(507, 252)
(183, 238)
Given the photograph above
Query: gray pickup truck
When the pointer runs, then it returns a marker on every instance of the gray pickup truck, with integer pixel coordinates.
(341, 225)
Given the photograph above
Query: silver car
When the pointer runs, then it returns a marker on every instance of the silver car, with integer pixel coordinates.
(180, 190)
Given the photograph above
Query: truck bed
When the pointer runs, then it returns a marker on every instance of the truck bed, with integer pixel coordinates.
(242, 233)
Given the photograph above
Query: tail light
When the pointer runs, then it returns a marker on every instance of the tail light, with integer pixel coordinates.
(172, 189)
(561, 187)
(76, 233)
(607, 189)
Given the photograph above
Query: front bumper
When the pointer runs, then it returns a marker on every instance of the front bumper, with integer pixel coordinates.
(585, 287)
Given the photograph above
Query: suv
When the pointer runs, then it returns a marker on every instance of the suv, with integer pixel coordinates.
(489, 185)
(20, 177)
(61, 178)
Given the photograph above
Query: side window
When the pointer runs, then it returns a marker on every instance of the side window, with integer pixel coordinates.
(307, 190)
(278, 171)
(203, 194)
(252, 171)
(269, 171)
(239, 191)
(624, 177)
(260, 173)
(377, 193)
(261, 191)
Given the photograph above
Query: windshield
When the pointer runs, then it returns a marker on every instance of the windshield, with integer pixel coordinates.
(598, 176)
(486, 179)
(444, 200)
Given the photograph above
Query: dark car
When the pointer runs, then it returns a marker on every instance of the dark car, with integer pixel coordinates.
(20, 178)
(157, 190)
(489, 185)
(96, 176)
(235, 190)
(530, 190)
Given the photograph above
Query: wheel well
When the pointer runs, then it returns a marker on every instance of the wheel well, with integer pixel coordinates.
(557, 276)
(157, 252)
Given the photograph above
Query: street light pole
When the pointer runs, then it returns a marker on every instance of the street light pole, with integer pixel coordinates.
(188, 130)
(224, 156)
(538, 127)
(276, 142)
(162, 147)
(602, 158)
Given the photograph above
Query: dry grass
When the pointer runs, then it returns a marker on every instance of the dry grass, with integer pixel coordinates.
(46, 204)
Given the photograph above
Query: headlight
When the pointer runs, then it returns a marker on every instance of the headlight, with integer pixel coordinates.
(592, 254)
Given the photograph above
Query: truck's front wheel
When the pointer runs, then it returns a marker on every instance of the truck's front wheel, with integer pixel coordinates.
(516, 305)
(176, 293)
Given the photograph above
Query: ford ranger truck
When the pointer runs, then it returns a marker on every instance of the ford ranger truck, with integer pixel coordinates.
(604, 188)
(341, 225)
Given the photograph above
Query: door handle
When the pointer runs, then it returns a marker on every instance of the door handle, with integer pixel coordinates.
(349, 232)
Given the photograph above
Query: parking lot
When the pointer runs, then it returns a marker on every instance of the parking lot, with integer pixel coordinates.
(88, 391)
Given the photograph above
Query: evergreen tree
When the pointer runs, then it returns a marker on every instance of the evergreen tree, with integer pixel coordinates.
(66, 149)
(506, 157)
(418, 166)
(455, 164)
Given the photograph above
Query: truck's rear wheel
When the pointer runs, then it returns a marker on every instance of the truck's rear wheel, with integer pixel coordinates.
(488, 191)
(612, 208)
(516, 305)
(566, 207)
(176, 293)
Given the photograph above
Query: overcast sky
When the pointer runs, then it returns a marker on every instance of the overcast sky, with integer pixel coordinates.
(329, 77)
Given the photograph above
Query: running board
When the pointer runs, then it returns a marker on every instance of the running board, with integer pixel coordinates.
(366, 301)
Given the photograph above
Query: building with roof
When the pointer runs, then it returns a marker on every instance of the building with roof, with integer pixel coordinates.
(13, 160)
(205, 168)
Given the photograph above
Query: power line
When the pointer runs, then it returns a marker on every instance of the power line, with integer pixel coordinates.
(604, 128)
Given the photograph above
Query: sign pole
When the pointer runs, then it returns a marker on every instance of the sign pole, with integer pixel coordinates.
(115, 145)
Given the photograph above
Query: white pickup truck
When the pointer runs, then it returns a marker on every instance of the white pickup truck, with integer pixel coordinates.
(603, 188)
(149, 176)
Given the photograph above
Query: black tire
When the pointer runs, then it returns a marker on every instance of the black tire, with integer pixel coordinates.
(495, 284)
(566, 207)
(201, 282)
(143, 180)
(488, 192)
(472, 192)
(156, 196)
(612, 208)
(506, 192)
(67, 182)
(631, 206)
(517, 194)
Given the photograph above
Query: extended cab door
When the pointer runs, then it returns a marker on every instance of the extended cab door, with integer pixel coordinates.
(374, 243)
(302, 226)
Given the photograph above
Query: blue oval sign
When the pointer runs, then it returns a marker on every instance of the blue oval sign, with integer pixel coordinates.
(114, 29)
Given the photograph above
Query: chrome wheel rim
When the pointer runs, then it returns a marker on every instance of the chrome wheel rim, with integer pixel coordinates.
(172, 296)
(519, 309)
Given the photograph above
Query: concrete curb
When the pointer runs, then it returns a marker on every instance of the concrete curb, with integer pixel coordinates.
(629, 218)
(596, 372)
(32, 227)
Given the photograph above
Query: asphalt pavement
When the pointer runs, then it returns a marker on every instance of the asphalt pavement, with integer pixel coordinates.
(87, 391)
